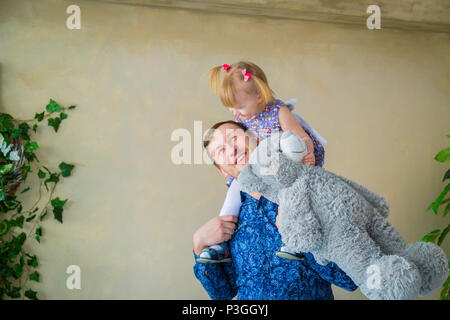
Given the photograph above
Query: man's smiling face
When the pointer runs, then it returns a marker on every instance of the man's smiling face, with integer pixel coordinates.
(230, 148)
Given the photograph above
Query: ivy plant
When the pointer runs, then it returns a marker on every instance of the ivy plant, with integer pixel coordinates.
(18, 265)
(441, 206)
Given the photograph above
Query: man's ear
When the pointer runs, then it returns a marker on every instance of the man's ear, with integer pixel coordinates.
(222, 172)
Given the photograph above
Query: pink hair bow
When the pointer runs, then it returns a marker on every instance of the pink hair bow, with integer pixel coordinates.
(247, 75)
(226, 67)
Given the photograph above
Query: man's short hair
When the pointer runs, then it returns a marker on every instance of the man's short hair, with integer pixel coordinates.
(210, 132)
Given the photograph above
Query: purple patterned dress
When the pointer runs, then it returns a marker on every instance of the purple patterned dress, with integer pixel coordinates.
(267, 122)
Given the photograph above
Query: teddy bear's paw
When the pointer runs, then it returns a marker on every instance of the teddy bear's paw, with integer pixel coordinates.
(432, 263)
(392, 278)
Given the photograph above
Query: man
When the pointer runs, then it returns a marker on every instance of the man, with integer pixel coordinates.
(255, 271)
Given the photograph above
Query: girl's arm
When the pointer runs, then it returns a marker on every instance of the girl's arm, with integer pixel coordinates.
(289, 122)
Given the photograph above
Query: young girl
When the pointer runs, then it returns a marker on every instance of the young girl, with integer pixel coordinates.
(245, 91)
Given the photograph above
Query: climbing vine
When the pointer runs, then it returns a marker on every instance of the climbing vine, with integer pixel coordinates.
(442, 201)
(19, 226)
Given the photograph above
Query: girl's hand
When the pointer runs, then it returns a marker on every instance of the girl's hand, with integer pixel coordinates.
(216, 230)
(309, 159)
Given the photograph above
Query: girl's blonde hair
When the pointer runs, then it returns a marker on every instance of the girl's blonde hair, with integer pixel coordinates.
(226, 87)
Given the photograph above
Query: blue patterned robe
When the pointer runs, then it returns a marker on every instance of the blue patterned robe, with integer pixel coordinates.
(256, 273)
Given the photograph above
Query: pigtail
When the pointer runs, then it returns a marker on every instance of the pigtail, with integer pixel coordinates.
(263, 88)
(214, 78)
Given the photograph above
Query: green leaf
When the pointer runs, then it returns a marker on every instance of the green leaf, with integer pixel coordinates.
(53, 106)
(6, 123)
(35, 126)
(445, 292)
(58, 208)
(34, 276)
(14, 293)
(53, 178)
(443, 234)
(49, 172)
(24, 127)
(16, 133)
(446, 210)
(436, 204)
(41, 174)
(431, 236)
(11, 204)
(38, 239)
(443, 155)
(63, 116)
(56, 202)
(72, 107)
(4, 227)
(54, 122)
(57, 213)
(30, 218)
(42, 216)
(447, 175)
(33, 261)
(66, 169)
(39, 117)
(5, 168)
(31, 146)
(17, 271)
(25, 190)
(18, 222)
(30, 294)
(20, 239)
(39, 231)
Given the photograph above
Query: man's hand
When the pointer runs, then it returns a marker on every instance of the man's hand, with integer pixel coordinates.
(255, 195)
(216, 230)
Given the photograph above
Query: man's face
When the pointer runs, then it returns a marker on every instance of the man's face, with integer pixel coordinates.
(230, 148)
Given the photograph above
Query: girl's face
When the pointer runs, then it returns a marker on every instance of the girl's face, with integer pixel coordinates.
(247, 105)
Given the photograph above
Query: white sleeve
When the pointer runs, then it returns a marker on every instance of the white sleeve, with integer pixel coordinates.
(290, 104)
(232, 203)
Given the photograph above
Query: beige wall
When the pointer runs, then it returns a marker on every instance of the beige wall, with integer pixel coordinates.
(380, 98)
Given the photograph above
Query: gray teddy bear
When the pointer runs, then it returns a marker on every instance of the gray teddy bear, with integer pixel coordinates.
(339, 220)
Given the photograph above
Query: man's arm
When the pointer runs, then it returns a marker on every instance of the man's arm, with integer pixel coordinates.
(331, 273)
(218, 279)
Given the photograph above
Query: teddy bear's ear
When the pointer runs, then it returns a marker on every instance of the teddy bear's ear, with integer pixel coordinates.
(249, 181)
